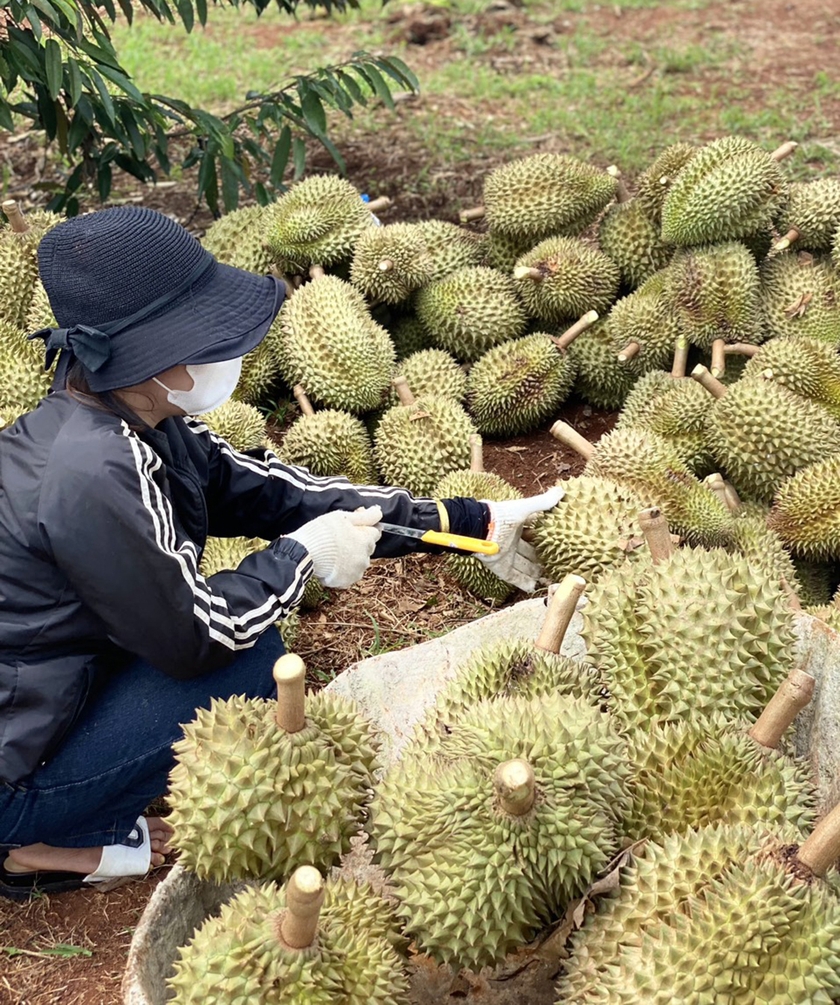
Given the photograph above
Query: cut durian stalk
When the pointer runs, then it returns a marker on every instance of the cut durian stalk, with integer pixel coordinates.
(304, 900)
(561, 608)
(17, 221)
(657, 534)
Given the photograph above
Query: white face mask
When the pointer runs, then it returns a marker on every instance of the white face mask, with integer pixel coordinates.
(213, 384)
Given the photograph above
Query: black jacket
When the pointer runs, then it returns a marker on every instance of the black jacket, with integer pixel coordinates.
(101, 533)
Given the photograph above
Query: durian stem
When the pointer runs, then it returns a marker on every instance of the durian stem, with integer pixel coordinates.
(794, 693)
(741, 349)
(731, 497)
(678, 367)
(578, 328)
(785, 242)
(403, 391)
(822, 846)
(718, 358)
(528, 272)
(304, 897)
(715, 483)
(657, 534)
(515, 786)
(17, 221)
(563, 432)
(476, 453)
(316, 272)
(785, 150)
(302, 399)
(712, 385)
(382, 202)
(561, 608)
(386, 265)
(476, 213)
(622, 193)
(630, 351)
(290, 678)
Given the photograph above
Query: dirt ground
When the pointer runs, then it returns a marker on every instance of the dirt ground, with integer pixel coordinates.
(71, 949)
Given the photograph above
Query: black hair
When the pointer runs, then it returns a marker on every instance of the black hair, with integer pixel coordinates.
(110, 401)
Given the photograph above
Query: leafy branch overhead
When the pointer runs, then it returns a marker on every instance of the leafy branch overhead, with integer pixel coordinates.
(60, 73)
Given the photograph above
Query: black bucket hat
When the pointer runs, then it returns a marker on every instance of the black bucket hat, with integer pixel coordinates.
(134, 294)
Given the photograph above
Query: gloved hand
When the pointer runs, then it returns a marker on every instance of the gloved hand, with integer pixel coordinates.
(340, 544)
(516, 561)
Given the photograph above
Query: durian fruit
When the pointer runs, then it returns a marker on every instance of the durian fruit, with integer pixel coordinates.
(317, 222)
(806, 366)
(391, 262)
(431, 371)
(23, 380)
(806, 511)
(419, 441)
(829, 613)
(800, 295)
(811, 214)
(240, 425)
(313, 943)
(728, 189)
(627, 235)
(408, 335)
(19, 259)
(601, 378)
(654, 183)
(40, 313)
(329, 443)
(720, 914)
(835, 249)
(716, 294)
(225, 553)
(644, 325)
(761, 546)
(450, 247)
(476, 483)
(762, 433)
(563, 278)
(239, 239)
(817, 581)
(701, 632)
(7, 417)
(544, 195)
(502, 252)
(331, 345)
(261, 367)
(260, 788)
(487, 834)
(470, 311)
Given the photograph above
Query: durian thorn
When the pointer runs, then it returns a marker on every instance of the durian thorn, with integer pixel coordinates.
(794, 693)
(701, 374)
(578, 328)
(563, 432)
(476, 213)
(302, 399)
(316, 271)
(740, 349)
(290, 677)
(822, 846)
(622, 193)
(657, 534)
(381, 202)
(718, 358)
(678, 367)
(794, 603)
(561, 608)
(17, 221)
(476, 453)
(403, 391)
(785, 242)
(630, 351)
(304, 897)
(528, 272)
(785, 150)
(385, 265)
(516, 786)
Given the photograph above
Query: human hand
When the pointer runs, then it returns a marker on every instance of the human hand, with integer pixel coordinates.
(340, 544)
(516, 562)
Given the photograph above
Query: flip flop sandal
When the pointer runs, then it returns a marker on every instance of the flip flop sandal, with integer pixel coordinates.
(119, 863)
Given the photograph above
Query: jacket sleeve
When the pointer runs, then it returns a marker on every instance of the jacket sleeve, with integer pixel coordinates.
(108, 524)
(255, 495)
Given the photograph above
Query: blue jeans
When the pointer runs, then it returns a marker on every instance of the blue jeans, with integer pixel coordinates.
(117, 757)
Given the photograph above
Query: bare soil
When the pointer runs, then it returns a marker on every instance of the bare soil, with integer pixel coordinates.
(404, 601)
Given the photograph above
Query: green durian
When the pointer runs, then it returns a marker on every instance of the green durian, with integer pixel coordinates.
(329, 443)
(545, 194)
(601, 378)
(390, 263)
(19, 263)
(451, 247)
(829, 613)
(806, 511)
(501, 251)
(240, 425)
(40, 313)
(800, 295)
(431, 371)
(225, 553)
(519, 384)
(409, 336)
(647, 318)
(813, 210)
(563, 277)
(654, 183)
(470, 311)
(835, 249)
(817, 581)
(23, 380)
(239, 239)
(331, 345)
(762, 546)
(628, 237)
(261, 367)
(806, 366)
(728, 189)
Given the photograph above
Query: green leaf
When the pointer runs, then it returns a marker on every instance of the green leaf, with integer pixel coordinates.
(405, 72)
(187, 14)
(99, 54)
(208, 185)
(299, 157)
(262, 194)
(53, 67)
(313, 111)
(74, 82)
(103, 181)
(230, 183)
(104, 94)
(334, 153)
(138, 143)
(6, 120)
(351, 85)
(123, 82)
(128, 9)
(201, 11)
(377, 82)
(281, 157)
(34, 22)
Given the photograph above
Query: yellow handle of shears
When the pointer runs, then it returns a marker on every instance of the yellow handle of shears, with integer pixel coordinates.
(459, 541)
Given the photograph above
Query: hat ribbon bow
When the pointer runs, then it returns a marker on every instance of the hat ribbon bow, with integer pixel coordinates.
(91, 346)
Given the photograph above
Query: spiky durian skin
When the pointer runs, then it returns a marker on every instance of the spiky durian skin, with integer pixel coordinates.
(225, 553)
(23, 380)
(600, 378)
(470, 311)
(400, 246)
(816, 581)
(656, 631)
(501, 251)
(628, 237)
(431, 371)
(467, 569)
(239, 957)
(576, 278)
(761, 546)
(646, 316)
(800, 295)
(716, 293)
(829, 613)
(806, 511)
(538, 196)
(240, 425)
(812, 208)
(317, 222)
(806, 366)
(331, 443)
(409, 336)
(250, 800)
(504, 875)
(19, 265)
(589, 530)
(762, 433)
(651, 467)
(729, 188)
(450, 247)
(835, 249)
(654, 183)
(332, 346)
(39, 313)
(517, 385)
(239, 239)
(416, 445)
(709, 770)
(711, 916)
(261, 367)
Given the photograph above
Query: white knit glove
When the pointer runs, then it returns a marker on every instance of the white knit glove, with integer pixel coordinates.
(516, 561)
(340, 544)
